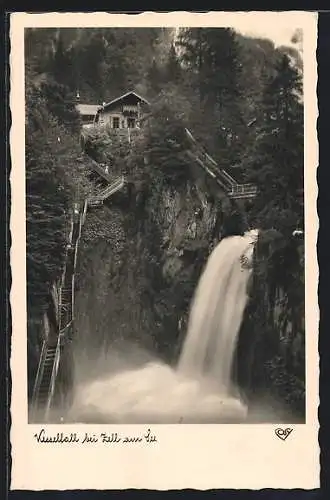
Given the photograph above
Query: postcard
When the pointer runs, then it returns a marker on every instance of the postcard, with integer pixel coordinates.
(164, 227)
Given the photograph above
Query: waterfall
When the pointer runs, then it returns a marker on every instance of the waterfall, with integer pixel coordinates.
(199, 389)
(217, 311)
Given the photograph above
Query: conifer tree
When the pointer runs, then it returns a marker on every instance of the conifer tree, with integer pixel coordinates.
(173, 68)
(61, 66)
(60, 102)
(212, 57)
(277, 163)
(165, 141)
(154, 78)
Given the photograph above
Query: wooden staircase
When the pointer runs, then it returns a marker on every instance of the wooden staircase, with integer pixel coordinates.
(63, 301)
(45, 380)
(232, 188)
(47, 375)
(101, 170)
(107, 192)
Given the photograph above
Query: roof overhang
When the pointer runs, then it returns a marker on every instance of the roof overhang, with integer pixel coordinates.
(118, 99)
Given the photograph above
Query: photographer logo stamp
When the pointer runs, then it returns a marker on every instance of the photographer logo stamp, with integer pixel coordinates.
(283, 433)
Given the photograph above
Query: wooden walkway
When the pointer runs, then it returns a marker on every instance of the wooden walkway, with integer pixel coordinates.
(232, 188)
(63, 296)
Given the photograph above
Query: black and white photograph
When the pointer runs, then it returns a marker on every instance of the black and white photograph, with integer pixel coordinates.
(165, 225)
(163, 251)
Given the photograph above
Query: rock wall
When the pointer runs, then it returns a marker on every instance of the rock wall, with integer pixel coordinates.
(271, 350)
(140, 260)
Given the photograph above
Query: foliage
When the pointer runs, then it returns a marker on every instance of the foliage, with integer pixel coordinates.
(277, 158)
(107, 147)
(55, 176)
(165, 141)
(203, 52)
(100, 62)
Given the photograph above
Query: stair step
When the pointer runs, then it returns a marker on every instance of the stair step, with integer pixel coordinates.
(44, 392)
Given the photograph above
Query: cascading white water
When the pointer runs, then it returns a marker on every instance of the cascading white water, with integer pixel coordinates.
(217, 312)
(199, 389)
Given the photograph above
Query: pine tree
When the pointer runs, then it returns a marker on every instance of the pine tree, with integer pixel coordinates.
(60, 102)
(212, 57)
(191, 45)
(277, 163)
(154, 78)
(173, 68)
(61, 66)
(165, 141)
(39, 45)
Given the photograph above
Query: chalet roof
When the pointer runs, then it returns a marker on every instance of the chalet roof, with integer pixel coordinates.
(123, 97)
(87, 109)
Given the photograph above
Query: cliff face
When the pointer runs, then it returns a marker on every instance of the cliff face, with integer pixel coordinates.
(271, 350)
(140, 260)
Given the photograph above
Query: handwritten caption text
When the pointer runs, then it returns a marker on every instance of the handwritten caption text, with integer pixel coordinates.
(91, 438)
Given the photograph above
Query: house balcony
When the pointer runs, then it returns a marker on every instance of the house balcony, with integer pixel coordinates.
(131, 110)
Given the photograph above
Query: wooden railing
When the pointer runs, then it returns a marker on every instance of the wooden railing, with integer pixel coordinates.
(222, 177)
(243, 191)
(38, 378)
(63, 295)
(101, 171)
(65, 315)
(108, 191)
(51, 391)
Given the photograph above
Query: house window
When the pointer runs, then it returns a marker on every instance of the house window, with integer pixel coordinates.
(131, 122)
(115, 122)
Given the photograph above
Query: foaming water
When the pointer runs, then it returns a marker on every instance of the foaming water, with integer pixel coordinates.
(154, 393)
(199, 390)
(217, 312)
